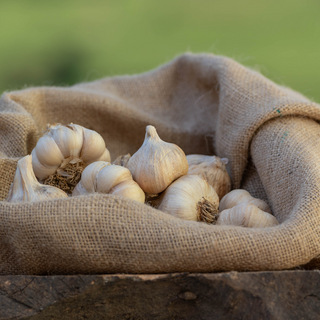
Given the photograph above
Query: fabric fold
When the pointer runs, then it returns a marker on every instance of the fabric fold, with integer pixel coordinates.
(202, 103)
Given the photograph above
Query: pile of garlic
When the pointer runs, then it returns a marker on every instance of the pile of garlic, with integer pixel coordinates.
(72, 160)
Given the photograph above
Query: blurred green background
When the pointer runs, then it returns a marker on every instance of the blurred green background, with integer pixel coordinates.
(65, 42)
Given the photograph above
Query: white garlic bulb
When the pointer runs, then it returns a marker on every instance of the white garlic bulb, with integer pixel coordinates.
(65, 151)
(157, 163)
(213, 169)
(102, 177)
(238, 196)
(191, 198)
(25, 186)
(246, 215)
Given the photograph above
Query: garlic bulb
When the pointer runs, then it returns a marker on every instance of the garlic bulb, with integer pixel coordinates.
(25, 186)
(191, 198)
(122, 160)
(214, 170)
(246, 215)
(102, 177)
(62, 153)
(238, 196)
(157, 163)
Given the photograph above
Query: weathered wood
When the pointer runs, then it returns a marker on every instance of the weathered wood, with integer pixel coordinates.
(232, 295)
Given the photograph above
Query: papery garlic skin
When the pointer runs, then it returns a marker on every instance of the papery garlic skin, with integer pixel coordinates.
(102, 177)
(214, 170)
(246, 215)
(26, 188)
(129, 189)
(238, 196)
(122, 160)
(157, 163)
(187, 196)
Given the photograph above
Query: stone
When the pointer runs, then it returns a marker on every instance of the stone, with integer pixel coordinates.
(293, 294)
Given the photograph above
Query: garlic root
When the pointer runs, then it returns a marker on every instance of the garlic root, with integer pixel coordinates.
(207, 211)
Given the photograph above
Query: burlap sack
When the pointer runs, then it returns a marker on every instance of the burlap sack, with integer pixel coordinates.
(205, 104)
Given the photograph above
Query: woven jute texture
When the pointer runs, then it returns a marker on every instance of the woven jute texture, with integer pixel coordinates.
(203, 103)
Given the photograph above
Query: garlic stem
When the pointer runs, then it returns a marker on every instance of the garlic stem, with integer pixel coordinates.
(151, 132)
(225, 160)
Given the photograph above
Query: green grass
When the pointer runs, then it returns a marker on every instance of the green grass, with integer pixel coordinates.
(65, 42)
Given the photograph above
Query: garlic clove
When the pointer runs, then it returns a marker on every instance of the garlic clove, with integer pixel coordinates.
(233, 198)
(110, 176)
(260, 204)
(129, 189)
(122, 160)
(93, 146)
(25, 186)
(157, 163)
(90, 173)
(214, 171)
(47, 152)
(88, 182)
(191, 198)
(66, 139)
(238, 196)
(39, 170)
(78, 131)
(246, 215)
(105, 156)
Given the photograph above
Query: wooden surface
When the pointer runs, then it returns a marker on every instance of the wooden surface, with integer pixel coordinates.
(232, 295)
